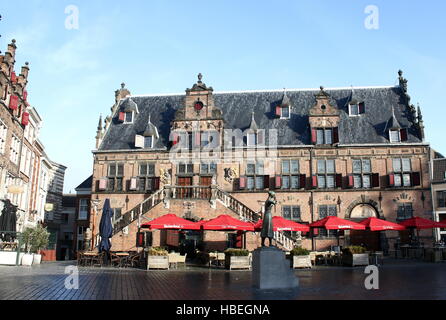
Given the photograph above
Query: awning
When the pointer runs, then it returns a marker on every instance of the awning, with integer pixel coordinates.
(375, 224)
(335, 223)
(282, 224)
(171, 222)
(227, 223)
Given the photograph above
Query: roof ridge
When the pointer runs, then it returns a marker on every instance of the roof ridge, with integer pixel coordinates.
(266, 90)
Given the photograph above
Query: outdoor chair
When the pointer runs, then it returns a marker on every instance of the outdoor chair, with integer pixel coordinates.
(212, 258)
(115, 261)
(97, 260)
(173, 260)
(136, 259)
(182, 259)
(220, 258)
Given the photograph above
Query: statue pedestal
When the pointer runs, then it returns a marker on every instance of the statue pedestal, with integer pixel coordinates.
(271, 270)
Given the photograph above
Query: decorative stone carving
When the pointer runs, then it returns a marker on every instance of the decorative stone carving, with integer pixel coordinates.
(230, 174)
(166, 178)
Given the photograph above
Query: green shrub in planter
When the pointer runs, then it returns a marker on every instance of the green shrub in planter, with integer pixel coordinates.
(158, 251)
(35, 239)
(237, 252)
(353, 250)
(299, 251)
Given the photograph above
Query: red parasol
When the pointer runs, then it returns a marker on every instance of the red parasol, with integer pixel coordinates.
(335, 223)
(282, 224)
(375, 224)
(171, 221)
(225, 222)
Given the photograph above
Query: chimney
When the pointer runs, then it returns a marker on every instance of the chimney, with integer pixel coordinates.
(10, 53)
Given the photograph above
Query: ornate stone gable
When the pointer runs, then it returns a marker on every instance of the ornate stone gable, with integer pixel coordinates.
(323, 114)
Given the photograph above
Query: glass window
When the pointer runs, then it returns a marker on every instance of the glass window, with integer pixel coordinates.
(295, 213)
(286, 212)
(395, 136)
(143, 169)
(398, 180)
(406, 180)
(148, 142)
(252, 139)
(321, 182)
(328, 136)
(330, 166)
(366, 181)
(320, 136)
(354, 109)
(357, 181)
(129, 117)
(259, 168)
(285, 167)
(397, 165)
(285, 112)
(250, 168)
(321, 166)
(285, 182)
(323, 212)
(406, 165)
(294, 166)
(259, 183)
(112, 170)
(366, 166)
(405, 211)
(357, 168)
(120, 170)
(250, 183)
(294, 182)
(330, 181)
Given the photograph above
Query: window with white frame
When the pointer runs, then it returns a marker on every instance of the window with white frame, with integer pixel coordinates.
(402, 169)
(255, 176)
(395, 136)
(14, 149)
(285, 112)
(3, 135)
(362, 171)
(324, 136)
(146, 176)
(290, 174)
(128, 117)
(326, 174)
(83, 209)
(148, 142)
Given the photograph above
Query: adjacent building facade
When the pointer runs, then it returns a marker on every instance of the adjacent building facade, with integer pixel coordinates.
(348, 152)
(25, 169)
(439, 192)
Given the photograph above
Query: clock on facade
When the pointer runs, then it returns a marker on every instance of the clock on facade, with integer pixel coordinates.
(198, 105)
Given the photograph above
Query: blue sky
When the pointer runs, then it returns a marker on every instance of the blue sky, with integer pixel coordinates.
(160, 47)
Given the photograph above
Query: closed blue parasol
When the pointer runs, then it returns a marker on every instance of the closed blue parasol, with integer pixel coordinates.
(105, 227)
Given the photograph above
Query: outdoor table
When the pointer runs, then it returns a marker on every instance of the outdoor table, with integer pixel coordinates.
(375, 256)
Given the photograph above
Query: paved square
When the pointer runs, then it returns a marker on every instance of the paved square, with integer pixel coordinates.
(398, 280)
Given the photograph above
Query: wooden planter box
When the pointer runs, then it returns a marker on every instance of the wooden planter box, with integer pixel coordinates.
(301, 262)
(237, 262)
(353, 260)
(157, 262)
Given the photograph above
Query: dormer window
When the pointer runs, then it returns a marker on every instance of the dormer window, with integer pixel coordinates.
(128, 117)
(356, 109)
(397, 135)
(324, 136)
(148, 142)
(252, 139)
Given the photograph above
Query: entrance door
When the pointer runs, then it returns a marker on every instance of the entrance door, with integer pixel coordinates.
(205, 182)
(184, 193)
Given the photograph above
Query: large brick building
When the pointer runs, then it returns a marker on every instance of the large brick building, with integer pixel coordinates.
(349, 152)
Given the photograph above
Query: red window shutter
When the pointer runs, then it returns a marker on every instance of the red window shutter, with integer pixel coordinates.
(416, 179)
(13, 77)
(302, 181)
(140, 239)
(175, 138)
(315, 231)
(339, 181)
(25, 118)
(13, 102)
(156, 184)
(403, 134)
(278, 111)
(121, 116)
(314, 181)
(351, 181)
(313, 136)
(278, 183)
(25, 95)
(102, 184)
(242, 182)
(391, 180)
(335, 135)
(375, 180)
(362, 108)
(266, 182)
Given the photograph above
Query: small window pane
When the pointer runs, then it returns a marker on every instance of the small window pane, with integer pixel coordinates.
(320, 136)
(397, 165)
(406, 180)
(285, 167)
(295, 213)
(321, 166)
(259, 183)
(112, 170)
(332, 212)
(294, 182)
(323, 211)
(151, 168)
(321, 182)
(357, 181)
(285, 182)
(250, 183)
(148, 142)
(213, 168)
(129, 117)
(190, 168)
(330, 182)
(394, 136)
(354, 109)
(182, 168)
(356, 166)
(143, 169)
(406, 165)
(294, 166)
(204, 168)
(286, 212)
(120, 170)
(366, 181)
(142, 184)
(259, 168)
(330, 166)
(366, 166)
(328, 136)
(250, 168)
(398, 180)
(285, 112)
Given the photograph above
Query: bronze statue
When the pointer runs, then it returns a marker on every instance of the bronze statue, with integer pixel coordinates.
(267, 226)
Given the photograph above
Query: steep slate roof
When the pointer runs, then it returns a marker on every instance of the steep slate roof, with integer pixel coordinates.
(237, 108)
(87, 184)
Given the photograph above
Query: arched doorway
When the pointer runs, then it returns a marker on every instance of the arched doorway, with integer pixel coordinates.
(367, 238)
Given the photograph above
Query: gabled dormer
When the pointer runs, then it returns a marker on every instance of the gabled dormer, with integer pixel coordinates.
(148, 139)
(355, 105)
(254, 135)
(128, 111)
(199, 122)
(283, 110)
(324, 120)
(395, 132)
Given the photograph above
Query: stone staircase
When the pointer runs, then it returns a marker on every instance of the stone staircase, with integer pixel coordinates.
(211, 194)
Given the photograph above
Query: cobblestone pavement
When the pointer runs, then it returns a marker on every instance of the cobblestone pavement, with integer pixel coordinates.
(398, 280)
